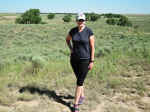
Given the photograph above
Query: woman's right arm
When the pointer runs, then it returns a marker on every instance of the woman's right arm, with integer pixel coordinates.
(68, 39)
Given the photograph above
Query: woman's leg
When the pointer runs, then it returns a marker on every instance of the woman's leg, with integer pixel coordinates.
(78, 93)
(80, 69)
(83, 70)
(82, 91)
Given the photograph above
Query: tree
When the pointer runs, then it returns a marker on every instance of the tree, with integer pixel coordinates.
(31, 16)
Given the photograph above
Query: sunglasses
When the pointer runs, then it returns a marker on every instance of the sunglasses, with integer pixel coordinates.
(80, 20)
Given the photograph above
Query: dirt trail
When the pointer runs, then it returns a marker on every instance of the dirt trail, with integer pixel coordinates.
(5, 109)
(107, 104)
(115, 104)
(99, 108)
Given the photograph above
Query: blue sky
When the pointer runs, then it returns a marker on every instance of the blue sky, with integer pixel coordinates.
(74, 6)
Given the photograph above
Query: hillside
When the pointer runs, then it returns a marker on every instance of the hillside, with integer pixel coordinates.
(35, 73)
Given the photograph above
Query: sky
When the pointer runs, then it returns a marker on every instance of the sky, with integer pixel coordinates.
(75, 6)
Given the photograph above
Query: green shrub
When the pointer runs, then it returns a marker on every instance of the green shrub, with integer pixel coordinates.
(123, 21)
(118, 20)
(92, 16)
(87, 15)
(19, 20)
(50, 16)
(111, 21)
(31, 16)
(110, 15)
(67, 18)
(37, 63)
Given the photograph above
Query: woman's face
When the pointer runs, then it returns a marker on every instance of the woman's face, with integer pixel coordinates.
(80, 22)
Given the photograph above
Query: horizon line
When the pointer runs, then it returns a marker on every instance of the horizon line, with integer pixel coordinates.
(75, 13)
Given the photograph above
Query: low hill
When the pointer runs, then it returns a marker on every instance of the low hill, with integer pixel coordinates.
(35, 73)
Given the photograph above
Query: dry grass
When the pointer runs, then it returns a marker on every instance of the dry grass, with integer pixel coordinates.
(119, 81)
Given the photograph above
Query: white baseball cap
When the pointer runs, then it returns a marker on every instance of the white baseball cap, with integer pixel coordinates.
(80, 16)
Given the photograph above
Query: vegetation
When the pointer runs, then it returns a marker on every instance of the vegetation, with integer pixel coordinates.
(112, 21)
(35, 73)
(51, 16)
(110, 15)
(67, 18)
(116, 19)
(123, 21)
(31, 16)
(92, 16)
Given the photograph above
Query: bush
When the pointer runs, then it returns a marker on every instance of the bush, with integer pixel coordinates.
(19, 20)
(123, 21)
(31, 16)
(116, 19)
(111, 21)
(92, 16)
(67, 18)
(110, 15)
(87, 15)
(37, 63)
(50, 16)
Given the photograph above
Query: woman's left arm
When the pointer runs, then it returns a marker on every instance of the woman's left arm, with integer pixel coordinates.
(92, 41)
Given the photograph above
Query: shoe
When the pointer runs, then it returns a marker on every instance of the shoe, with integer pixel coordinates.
(76, 108)
(81, 100)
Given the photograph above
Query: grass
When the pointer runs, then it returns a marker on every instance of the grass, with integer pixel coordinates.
(141, 22)
(36, 57)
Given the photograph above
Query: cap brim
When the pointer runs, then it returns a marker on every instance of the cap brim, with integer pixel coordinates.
(80, 18)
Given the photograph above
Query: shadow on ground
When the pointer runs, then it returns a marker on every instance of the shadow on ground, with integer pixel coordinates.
(50, 94)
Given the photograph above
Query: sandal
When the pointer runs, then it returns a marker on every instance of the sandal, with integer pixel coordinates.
(76, 108)
(81, 100)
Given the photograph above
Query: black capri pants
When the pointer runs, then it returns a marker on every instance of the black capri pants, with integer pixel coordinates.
(80, 68)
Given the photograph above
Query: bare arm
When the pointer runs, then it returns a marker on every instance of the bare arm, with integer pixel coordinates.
(92, 52)
(92, 41)
(68, 39)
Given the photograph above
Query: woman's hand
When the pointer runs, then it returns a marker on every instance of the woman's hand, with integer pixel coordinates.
(91, 65)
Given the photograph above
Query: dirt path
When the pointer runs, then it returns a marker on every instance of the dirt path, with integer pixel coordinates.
(107, 104)
(113, 105)
(99, 108)
(5, 109)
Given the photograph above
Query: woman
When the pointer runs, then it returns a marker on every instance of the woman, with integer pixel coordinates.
(82, 55)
